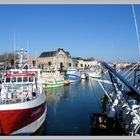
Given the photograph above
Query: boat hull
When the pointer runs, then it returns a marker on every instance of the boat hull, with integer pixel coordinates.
(73, 78)
(94, 75)
(33, 126)
(55, 84)
(23, 118)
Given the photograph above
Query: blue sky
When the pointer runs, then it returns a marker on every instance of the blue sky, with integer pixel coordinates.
(105, 32)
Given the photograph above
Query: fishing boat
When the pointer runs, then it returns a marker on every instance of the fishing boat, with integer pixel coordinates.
(22, 101)
(73, 75)
(94, 72)
(52, 78)
(83, 73)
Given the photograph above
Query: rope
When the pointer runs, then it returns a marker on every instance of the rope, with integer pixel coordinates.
(133, 77)
(105, 91)
(130, 69)
(131, 72)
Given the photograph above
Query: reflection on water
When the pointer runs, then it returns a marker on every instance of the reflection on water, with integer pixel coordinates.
(54, 96)
(70, 108)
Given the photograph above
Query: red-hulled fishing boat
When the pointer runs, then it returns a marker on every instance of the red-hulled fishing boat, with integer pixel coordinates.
(22, 102)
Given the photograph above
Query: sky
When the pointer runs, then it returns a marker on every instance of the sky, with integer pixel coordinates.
(105, 31)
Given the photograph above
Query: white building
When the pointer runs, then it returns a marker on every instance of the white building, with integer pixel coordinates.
(84, 63)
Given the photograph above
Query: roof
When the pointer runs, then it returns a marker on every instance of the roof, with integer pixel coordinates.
(48, 54)
(53, 53)
(89, 59)
(8, 75)
(77, 58)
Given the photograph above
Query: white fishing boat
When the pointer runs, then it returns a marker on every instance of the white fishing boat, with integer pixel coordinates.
(83, 75)
(94, 72)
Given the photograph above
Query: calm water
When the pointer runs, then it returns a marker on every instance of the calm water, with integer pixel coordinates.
(70, 108)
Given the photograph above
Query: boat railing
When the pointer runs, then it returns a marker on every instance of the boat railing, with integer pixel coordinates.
(18, 93)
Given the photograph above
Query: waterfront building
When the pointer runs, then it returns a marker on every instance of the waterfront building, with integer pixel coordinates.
(84, 63)
(53, 59)
(75, 61)
(60, 59)
(90, 62)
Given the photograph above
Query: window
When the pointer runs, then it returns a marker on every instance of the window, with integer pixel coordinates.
(34, 63)
(30, 79)
(42, 66)
(49, 63)
(25, 79)
(14, 79)
(7, 80)
(19, 79)
(69, 64)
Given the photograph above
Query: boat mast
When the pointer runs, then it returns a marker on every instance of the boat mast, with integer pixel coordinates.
(21, 58)
(136, 28)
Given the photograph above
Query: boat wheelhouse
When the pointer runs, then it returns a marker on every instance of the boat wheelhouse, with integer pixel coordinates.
(52, 78)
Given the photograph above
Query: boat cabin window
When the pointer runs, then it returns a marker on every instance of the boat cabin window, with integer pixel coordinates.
(14, 79)
(19, 79)
(30, 79)
(25, 79)
(7, 80)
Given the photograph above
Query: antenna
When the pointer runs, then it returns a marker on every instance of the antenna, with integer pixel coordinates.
(14, 48)
(27, 50)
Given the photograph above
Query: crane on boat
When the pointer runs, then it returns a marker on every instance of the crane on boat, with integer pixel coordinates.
(123, 101)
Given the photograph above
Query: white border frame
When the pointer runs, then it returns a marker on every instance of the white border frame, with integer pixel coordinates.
(70, 2)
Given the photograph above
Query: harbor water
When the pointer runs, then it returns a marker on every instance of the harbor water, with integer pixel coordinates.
(70, 108)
